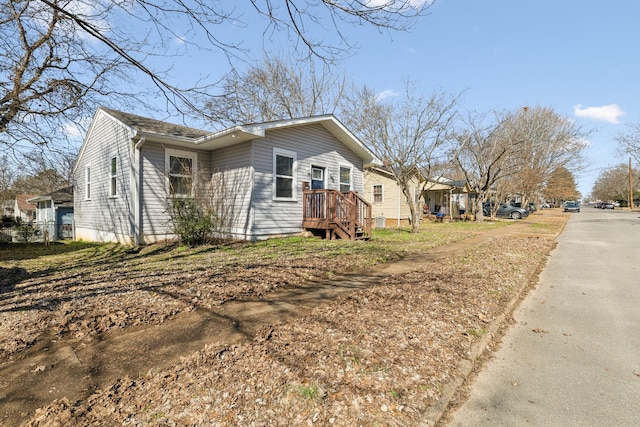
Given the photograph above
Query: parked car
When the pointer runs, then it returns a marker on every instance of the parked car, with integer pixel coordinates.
(572, 207)
(509, 211)
(608, 205)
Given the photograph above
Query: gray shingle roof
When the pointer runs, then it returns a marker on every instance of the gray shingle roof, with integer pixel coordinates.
(145, 124)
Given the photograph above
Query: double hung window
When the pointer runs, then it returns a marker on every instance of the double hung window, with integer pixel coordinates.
(377, 193)
(113, 182)
(181, 172)
(345, 179)
(284, 176)
(87, 182)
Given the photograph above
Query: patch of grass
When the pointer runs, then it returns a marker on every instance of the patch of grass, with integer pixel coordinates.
(20, 251)
(351, 354)
(477, 333)
(312, 393)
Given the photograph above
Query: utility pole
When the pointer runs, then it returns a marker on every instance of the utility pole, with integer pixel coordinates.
(630, 186)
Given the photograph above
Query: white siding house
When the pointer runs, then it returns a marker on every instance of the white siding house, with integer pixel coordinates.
(129, 166)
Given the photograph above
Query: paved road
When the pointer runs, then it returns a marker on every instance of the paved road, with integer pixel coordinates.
(573, 356)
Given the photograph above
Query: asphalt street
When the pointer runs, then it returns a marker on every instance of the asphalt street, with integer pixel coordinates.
(573, 356)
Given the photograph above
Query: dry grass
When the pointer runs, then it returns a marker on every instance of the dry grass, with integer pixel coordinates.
(379, 356)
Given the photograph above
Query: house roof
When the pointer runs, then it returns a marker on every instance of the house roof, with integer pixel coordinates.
(442, 183)
(23, 203)
(60, 197)
(147, 129)
(153, 126)
(433, 183)
(238, 134)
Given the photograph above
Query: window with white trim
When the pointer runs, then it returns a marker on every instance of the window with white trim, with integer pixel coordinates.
(113, 182)
(345, 179)
(87, 182)
(181, 167)
(284, 174)
(377, 193)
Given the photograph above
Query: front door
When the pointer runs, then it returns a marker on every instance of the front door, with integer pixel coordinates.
(317, 178)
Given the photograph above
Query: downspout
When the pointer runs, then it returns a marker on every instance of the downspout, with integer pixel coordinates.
(136, 196)
(399, 204)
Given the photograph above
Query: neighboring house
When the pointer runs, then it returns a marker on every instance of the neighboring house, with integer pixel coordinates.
(54, 214)
(389, 204)
(129, 167)
(448, 196)
(24, 210)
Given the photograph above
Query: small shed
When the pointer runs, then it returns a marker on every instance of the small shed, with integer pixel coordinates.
(54, 214)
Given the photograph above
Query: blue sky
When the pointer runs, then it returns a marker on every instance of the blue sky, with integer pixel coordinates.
(578, 57)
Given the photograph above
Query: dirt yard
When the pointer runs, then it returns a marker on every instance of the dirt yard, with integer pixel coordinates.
(307, 344)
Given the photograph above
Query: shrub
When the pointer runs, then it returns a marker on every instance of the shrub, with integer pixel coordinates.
(26, 232)
(192, 221)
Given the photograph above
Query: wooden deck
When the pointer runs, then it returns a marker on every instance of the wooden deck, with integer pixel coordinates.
(339, 215)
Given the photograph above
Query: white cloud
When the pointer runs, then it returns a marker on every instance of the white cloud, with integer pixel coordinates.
(607, 113)
(73, 131)
(386, 94)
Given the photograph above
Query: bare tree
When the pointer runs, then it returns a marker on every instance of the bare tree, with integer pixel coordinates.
(481, 152)
(613, 183)
(407, 133)
(629, 141)
(59, 59)
(277, 89)
(7, 178)
(546, 142)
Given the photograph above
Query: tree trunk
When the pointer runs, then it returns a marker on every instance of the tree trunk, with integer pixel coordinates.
(479, 211)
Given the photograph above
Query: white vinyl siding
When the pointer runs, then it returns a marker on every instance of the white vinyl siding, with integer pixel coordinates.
(245, 169)
(103, 215)
(313, 145)
(232, 170)
(155, 224)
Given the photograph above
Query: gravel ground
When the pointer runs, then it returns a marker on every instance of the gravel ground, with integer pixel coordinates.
(378, 356)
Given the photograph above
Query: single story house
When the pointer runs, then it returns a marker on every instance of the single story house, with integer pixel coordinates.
(54, 214)
(448, 196)
(436, 195)
(261, 175)
(23, 209)
(388, 202)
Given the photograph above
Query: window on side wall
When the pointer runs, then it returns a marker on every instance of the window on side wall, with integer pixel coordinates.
(113, 182)
(377, 193)
(181, 172)
(345, 179)
(87, 182)
(284, 175)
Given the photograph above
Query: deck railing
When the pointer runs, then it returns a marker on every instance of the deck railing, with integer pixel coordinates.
(347, 215)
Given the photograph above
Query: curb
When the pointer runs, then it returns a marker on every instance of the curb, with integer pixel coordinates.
(436, 413)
